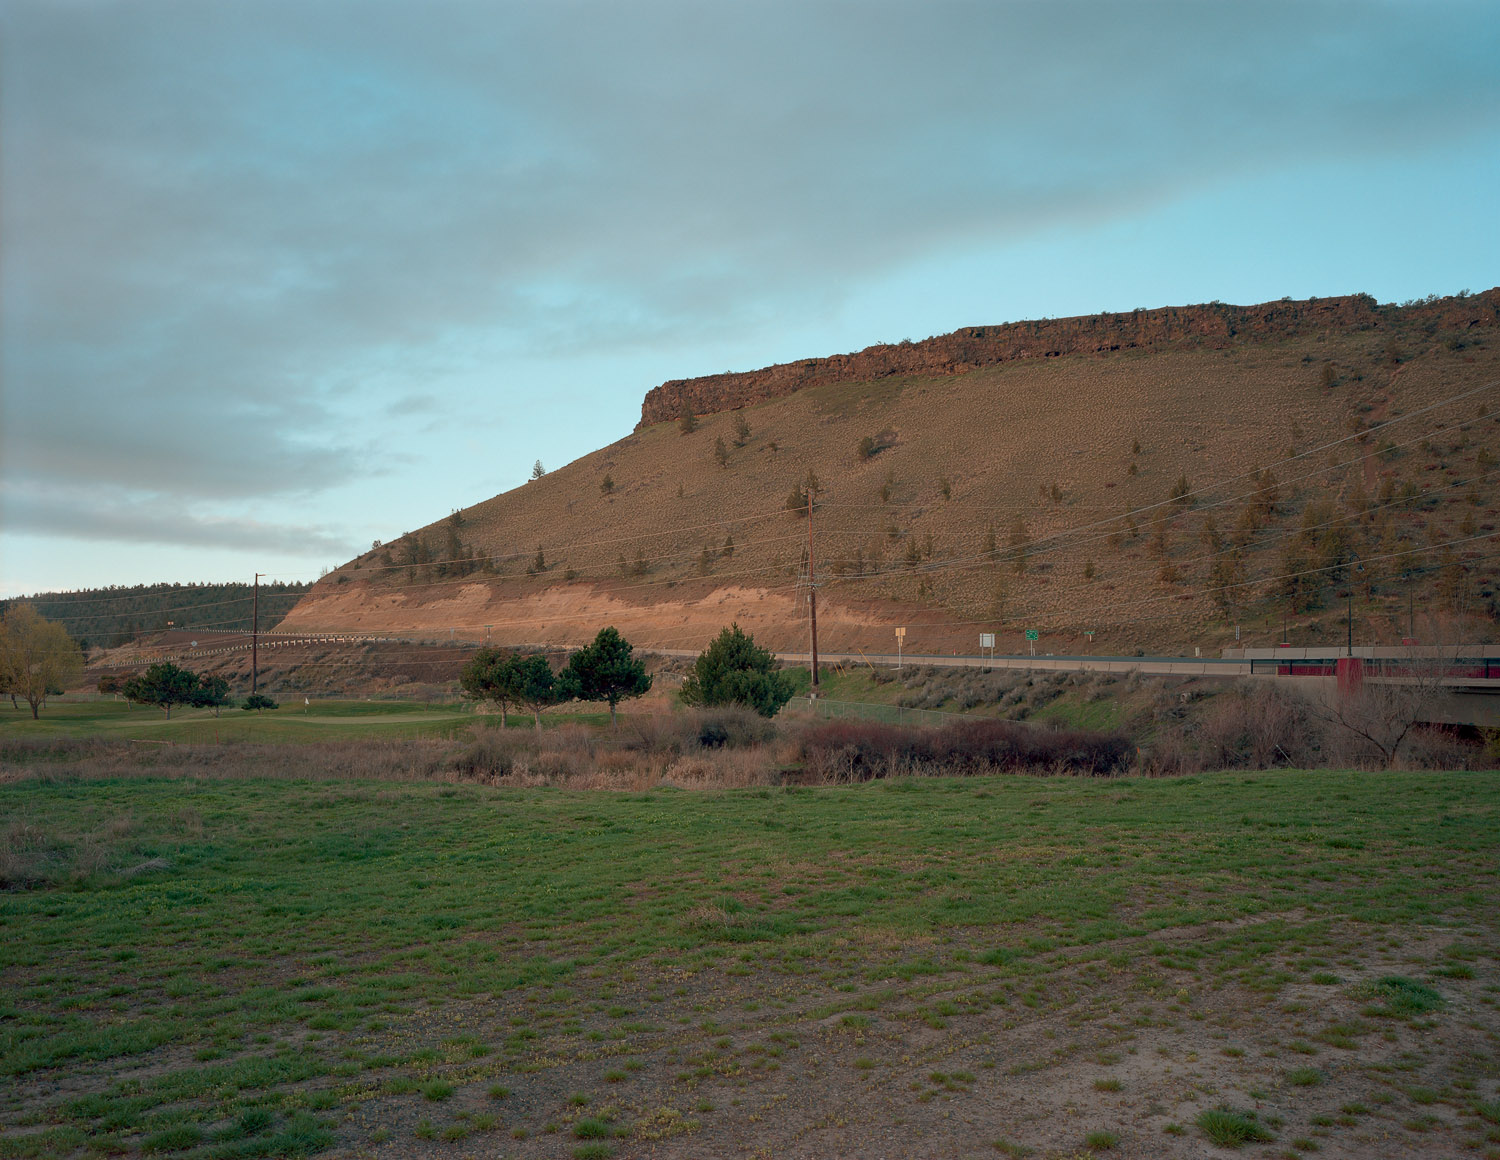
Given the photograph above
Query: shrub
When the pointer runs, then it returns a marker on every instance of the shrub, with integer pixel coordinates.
(491, 755)
(1406, 996)
(1230, 1129)
(1255, 726)
(591, 1128)
(723, 727)
(861, 750)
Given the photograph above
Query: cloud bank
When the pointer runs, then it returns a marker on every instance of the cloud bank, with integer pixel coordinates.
(247, 244)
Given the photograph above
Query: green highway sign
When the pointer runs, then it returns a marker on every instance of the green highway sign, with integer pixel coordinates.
(1032, 634)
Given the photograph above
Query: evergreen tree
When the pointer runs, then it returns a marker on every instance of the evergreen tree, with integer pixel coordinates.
(734, 670)
(164, 685)
(604, 671)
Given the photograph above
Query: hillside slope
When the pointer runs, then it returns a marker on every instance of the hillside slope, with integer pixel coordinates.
(1027, 492)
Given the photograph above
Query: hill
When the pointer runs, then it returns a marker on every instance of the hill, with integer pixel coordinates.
(111, 616)
(1153, 479)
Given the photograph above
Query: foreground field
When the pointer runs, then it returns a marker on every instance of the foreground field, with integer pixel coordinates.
(296, 722)
(907, 968)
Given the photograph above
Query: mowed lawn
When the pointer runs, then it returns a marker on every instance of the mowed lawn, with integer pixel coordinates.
(241, 968)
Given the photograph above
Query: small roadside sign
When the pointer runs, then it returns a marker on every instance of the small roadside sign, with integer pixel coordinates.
(986, 640)
(1032, 634)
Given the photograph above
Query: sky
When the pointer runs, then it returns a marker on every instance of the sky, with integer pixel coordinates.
(278, 279)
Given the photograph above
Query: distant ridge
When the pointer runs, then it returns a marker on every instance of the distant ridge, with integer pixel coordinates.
(117, 614)
(1212, 325)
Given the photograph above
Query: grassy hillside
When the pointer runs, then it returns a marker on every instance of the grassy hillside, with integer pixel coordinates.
(1036, 493)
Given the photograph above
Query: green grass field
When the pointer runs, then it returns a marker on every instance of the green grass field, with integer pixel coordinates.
(333, 720)
(273, 968)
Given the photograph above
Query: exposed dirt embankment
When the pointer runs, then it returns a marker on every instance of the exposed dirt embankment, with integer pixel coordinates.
(1215, 324)
(571, 614)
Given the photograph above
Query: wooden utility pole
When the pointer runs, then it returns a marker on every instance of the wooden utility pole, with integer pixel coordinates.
(812, 595)
(255, 633)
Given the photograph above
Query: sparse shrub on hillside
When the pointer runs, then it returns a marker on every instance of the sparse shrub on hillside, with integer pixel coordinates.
(728, 549)
(622, 565)
(537, 470)
(1208, 534)
(721, 452)
(1328, 376)
(705, 561)
(1246, 526)
(1020, 539)
(886, 488)
(866, 449)
(1182, 491)
(741, 429)
(1135, 447)
(640, 567)
(945, 487)
(913, 553)
(687, 422)
(1160, 522)
(1357, 501)
(1225, 580)
(1301, 588)
(1267, 494)
(1088, 570)
(607, 484)
(538, 562)
(998, 597)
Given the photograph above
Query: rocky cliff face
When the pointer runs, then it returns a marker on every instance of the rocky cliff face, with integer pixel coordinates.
(1098, 334)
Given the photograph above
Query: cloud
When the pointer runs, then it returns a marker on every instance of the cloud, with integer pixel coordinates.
(159, 520)
(246, 244)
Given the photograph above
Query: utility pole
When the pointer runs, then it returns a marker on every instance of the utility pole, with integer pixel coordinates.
(812, 596)
(255, 633)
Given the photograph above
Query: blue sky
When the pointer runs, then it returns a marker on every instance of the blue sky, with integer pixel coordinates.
(277, 279)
